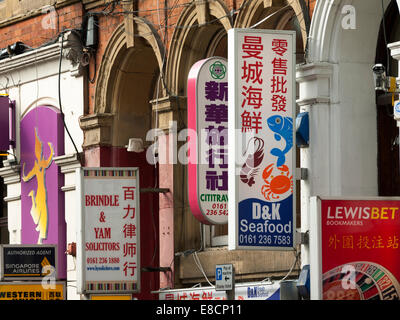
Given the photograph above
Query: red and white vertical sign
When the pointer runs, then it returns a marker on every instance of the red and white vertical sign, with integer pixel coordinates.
(260, 131)
(208, 120)
(109, 248)
(355, 248)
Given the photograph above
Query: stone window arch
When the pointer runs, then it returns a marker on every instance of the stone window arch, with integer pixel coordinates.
(125, 86)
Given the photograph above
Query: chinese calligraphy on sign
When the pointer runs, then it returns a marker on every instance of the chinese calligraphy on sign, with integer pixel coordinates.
(208, 117)
(260, 119)
(110, 251)
(351, 241)
(359, 242)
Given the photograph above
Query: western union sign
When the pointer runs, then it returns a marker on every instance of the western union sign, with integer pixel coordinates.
(31, 291)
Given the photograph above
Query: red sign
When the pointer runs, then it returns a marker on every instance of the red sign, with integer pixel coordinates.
(360, 249)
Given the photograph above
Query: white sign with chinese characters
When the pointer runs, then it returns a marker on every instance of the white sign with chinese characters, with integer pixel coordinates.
(108, 250)
(262, 155)
(208, 118)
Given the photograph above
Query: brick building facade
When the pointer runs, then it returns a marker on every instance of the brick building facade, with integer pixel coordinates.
(134, 80)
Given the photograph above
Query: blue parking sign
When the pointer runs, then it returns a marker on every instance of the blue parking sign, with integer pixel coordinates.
(218, 273)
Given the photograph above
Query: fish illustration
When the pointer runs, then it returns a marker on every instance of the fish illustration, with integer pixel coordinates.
(283, 128)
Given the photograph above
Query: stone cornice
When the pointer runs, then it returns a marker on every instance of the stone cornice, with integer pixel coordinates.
(10, 173)
(68, 163)
(97, 129)
(315, 83)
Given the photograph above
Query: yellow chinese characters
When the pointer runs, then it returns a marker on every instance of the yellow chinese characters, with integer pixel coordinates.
(363, 242)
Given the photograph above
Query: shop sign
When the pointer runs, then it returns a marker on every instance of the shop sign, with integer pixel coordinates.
(250, 291)
(355, 248)
(110, 297)
(42, 200)
(32, 291)
(4, 122)
(108, 248)
(28, 262)
(208, 140)
(262, 159)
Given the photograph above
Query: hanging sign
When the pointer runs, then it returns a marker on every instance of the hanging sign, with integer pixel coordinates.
(243, 291)
(355, 248)
(42, 200)
(32, 291)
(27, 262)
(262, 156)
(108, 248)
(208, 140)
(4, 122)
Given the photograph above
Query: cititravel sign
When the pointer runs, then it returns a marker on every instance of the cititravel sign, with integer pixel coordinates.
(208, 140)
(355, 248)
(108, 247)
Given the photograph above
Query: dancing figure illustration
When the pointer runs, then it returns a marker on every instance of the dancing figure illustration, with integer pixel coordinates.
(39, 210)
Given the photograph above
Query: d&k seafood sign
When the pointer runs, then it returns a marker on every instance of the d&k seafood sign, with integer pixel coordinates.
(208, 140)
(260, 126)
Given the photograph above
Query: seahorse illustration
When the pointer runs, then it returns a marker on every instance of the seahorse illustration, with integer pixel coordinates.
(39, 210)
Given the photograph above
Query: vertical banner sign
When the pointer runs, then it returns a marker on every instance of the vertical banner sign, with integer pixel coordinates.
(4, 122)
(42, 200)
(359, 251)
(262, 157)
(208, 140)
(109, 248)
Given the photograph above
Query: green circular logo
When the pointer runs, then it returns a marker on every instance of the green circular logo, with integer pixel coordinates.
(218, 70)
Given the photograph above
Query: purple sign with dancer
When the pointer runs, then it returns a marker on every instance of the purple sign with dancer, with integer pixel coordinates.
(42, 201)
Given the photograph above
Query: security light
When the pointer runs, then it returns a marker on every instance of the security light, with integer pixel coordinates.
(379, 77)
(135, 145)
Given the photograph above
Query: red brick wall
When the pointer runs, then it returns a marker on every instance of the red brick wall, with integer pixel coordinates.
(31, 31)
(107, 25)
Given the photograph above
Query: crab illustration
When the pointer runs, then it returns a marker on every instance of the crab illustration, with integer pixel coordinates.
(276, 185)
